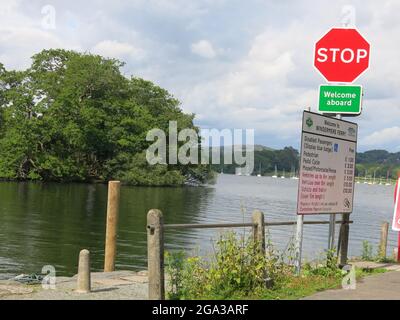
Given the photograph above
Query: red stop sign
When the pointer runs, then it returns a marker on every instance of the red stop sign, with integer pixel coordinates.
(341, 55)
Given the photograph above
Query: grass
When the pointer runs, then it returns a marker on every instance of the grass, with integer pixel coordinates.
(299, 287)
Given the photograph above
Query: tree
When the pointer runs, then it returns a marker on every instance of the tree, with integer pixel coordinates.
(75, 117)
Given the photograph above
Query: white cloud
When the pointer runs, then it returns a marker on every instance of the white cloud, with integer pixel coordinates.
(204, 49)
(382, 137)
(116, 49)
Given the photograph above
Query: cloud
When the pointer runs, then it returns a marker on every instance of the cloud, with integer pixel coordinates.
(203, 48)
(234, 64)
(382, 137)
(116, 49)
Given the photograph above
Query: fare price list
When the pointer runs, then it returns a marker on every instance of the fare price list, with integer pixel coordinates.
(326, 175)
(348, 173)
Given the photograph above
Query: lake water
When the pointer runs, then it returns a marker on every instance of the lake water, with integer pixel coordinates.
(48, 224)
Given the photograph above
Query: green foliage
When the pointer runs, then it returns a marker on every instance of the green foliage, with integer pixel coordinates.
(380, 163)
(368, 255)
(286, 159)
(236, 270)
(378, 156)
(75, 117)
(383, 163)
(367, 249)
(326, 267)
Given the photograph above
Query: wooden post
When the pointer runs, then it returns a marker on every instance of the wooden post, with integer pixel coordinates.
(344, 239)
(84, 272)
(383, 242)
(155, 254)
(112, 224)
(259, 229)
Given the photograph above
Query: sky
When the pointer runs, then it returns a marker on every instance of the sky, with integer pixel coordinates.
(235, 64)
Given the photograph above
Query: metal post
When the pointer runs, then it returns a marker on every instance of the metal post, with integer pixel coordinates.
(383, 241)
(331, 236)
(155, 254)
(299, 243)
(332, 219)
(83, 272)
(259, 229)
(112, 224)
(344, 239)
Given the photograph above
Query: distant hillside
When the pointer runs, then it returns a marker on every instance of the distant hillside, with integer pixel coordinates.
(379, 162)
(378, 156)
(265, 161)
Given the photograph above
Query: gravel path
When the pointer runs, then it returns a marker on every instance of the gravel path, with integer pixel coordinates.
(118, 285)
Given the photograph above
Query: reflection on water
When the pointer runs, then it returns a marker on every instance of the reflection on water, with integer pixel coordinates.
(44, 224)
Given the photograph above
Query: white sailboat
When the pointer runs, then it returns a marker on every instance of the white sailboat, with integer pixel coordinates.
(294, 177)
(365, 179)
(387, 179)
(259, 172)
(373, 181)
(276, 173)
(283, 174)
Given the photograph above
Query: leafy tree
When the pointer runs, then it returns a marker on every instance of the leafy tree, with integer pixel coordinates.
(75, 117)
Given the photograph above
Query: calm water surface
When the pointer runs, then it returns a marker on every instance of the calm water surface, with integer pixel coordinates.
(47, 224)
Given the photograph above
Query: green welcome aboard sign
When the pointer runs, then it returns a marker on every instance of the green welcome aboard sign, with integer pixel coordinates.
(340, 99)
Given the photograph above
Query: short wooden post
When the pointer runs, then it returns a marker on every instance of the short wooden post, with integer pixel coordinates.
(83, 285)
(259, 229)
(344, 239)
(383, 242)
(155, 254)
(112, 224)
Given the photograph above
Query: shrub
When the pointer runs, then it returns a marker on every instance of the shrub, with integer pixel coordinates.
(367, 254)
(237, 269)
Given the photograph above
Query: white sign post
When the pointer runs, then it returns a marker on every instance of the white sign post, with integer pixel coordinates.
(327, 165)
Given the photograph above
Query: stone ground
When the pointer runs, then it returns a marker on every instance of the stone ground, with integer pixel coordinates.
(118, 285)
(384, 286)
(129, 285)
